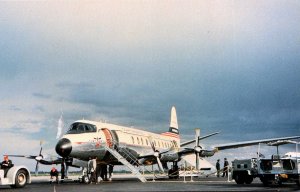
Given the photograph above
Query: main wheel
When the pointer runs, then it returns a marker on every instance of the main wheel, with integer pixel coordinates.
(86, 179)
(21, 179)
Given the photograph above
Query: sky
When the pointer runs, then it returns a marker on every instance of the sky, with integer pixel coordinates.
(228, 66)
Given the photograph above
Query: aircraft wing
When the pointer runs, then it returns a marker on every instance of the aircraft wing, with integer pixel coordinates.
(253, 142)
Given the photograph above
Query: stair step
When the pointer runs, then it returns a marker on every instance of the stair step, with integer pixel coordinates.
(117, 155)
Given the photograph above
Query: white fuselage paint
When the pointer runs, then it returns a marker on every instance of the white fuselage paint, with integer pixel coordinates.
(138, 142)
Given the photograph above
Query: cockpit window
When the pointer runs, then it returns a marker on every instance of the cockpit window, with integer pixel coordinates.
(77, 128)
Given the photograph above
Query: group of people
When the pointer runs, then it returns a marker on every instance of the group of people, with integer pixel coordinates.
(225, 168)
(97, 171)
(93, 169)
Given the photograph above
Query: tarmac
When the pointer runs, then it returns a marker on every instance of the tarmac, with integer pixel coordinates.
(129, 183)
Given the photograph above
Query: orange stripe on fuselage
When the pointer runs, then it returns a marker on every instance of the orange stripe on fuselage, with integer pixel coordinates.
(169, 134)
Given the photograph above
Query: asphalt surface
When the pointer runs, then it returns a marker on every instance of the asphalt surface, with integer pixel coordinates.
(132, 184)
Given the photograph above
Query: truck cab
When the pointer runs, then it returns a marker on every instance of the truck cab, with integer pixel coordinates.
(244, 170)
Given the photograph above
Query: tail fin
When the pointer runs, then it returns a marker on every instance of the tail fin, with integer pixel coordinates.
(173, 130)
(173, 122)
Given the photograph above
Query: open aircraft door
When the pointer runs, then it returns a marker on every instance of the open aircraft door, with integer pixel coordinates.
(110, 139)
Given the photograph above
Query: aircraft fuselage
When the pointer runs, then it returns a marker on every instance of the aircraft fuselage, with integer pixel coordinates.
(87, 139)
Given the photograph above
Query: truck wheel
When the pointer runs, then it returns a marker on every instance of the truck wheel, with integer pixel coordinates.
(239, 179)
(265, 182)
(21, 179)
(248, 179)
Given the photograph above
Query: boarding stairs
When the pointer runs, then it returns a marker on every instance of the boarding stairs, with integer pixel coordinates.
(128, 160)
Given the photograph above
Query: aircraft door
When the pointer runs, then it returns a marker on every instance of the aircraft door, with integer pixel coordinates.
(108, 137)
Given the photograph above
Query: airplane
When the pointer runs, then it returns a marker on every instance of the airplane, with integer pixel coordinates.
(291, 155)
(132, 147)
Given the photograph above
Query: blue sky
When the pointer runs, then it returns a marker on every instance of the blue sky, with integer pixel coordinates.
(229, 66)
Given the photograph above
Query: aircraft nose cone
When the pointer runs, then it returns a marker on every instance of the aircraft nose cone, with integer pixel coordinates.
(63, 147)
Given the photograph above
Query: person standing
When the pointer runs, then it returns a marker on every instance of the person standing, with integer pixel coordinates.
(225, 169)
(110, 170)
(218, 167)
(92, 167)
(104, 172)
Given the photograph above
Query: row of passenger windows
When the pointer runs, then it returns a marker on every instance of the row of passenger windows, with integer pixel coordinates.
(157, 143)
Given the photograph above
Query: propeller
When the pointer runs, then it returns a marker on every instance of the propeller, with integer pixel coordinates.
(197, 148)
(156, 154)
(38, 159)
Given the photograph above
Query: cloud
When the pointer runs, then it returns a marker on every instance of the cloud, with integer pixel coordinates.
(227, 66)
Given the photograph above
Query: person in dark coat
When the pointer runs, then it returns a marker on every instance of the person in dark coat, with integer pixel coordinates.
(54, 173)
(110, 170)
(6, 164)
(218, 167)
(225, 169)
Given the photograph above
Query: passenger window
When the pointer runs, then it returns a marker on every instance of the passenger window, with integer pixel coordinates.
(138, 141)
(146, 141)
(142, 141)
(132, 140)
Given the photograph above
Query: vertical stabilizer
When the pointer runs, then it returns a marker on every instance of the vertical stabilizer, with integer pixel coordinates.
(173, 129)
(173, 122)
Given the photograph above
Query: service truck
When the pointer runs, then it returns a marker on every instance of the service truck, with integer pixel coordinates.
(274, 170)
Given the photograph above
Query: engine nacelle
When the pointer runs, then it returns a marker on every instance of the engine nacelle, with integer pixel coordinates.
(169, 157)
(206, 153)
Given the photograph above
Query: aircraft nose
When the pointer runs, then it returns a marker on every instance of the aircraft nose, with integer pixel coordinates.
(63, 147)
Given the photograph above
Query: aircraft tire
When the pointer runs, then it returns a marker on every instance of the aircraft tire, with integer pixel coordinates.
(21, 179)
(86, 180)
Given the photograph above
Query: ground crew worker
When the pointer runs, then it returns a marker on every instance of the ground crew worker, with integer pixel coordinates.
(225, 169)
(110, 170)
(6, 164)
(92, 168)
(218, 167)
(54, 173)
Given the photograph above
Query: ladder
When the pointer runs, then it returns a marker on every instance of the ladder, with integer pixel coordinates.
(124, 161)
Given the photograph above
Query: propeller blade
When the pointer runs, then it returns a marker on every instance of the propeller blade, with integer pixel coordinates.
(36, 168)
(152, 144)
(159, 164)
(41, 151)
(197, 148)
(197, 135)
(197, 162)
